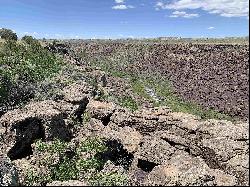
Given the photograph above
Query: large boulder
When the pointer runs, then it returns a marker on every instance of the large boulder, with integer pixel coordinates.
(155, 150)
(77, 93)
(101, 110)
(184, 170)
(21, 127)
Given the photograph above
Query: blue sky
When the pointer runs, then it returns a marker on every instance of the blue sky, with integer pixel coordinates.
(125, 18)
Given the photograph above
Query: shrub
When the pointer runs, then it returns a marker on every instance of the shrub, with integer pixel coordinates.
(86, 117)
(67, 167)
(8, 34)
(128, 102)
(22, 66)
(109, 179)
(30, 40)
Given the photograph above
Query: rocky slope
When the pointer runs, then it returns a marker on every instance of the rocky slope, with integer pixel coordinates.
(212, 75)
(151, 146)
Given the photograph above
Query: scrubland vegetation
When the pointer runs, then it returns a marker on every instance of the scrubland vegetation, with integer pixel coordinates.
(23, 64)
(208, 79)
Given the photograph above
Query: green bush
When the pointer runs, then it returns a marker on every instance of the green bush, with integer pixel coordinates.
(30, 40)
(22, 65)
(8, 34)
(109, 179)
(93, 144)
(65, 170)
(67, 167)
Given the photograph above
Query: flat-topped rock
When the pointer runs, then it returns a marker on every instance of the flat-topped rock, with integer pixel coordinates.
(77, 93)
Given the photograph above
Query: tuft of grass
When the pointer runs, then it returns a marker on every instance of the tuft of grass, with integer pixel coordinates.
(128, 102)
(170, 99)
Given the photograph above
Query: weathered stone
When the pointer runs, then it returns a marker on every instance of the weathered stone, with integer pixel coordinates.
(100, 110)
(128, 137)
(77, 93)
(42, 110)
(155, 150)
(36, 120)
(184, 170)
(109, 167)
(8, 173)
(224, 148)
(154, 146)
(185, 121)
(227, 129)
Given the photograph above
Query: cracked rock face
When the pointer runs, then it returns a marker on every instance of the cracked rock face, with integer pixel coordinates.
(153, 146)
(37, 120)
(185, 170)
(206, 82)
(181, 149)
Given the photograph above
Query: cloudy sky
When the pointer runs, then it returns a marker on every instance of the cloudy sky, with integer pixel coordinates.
(125, 18)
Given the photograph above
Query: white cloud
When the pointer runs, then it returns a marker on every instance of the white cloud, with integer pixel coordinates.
(225, 8)
(31, 33)
(122, 7)
(119, 1)
(183, 14)
(211, 28)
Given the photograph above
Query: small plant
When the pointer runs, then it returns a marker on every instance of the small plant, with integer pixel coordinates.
(34, 178)
(128, 102)
(65, 170)
(92, 163)
(66, 167)
(96, 145)
(41, 146)
(86, 117)
(109, 179)
(22, 66)
(57, 146)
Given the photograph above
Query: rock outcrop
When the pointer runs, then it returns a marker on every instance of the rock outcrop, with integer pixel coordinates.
(154, 146)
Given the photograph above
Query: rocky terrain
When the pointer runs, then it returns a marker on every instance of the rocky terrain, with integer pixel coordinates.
(100, 121)
(149, 146)
(211, 75)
